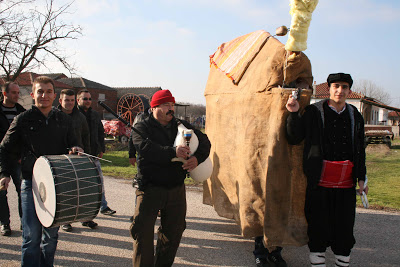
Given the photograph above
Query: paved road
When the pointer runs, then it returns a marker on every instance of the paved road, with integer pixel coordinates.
(208, 241)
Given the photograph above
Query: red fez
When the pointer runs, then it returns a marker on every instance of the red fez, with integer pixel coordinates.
(161, 97)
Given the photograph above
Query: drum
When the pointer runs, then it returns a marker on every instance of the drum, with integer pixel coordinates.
(66, 189)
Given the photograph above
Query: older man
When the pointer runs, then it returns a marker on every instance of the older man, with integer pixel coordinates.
(42, 130)
(9, 109)
(333, 162)
(161, 182)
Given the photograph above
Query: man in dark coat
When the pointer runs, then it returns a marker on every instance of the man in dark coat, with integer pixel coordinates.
(333, 162)
(97, 146)
(81, 130)
(8, 110)
(42, 130)
(161, 182)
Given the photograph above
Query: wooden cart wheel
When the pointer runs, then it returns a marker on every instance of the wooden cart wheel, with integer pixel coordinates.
(128, 106)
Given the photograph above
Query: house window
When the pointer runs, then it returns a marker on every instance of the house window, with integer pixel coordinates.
(102, 97)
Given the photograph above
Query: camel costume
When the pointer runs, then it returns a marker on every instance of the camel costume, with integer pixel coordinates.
(257, 177)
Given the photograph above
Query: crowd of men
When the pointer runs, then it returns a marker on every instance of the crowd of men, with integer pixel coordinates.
(333, 162)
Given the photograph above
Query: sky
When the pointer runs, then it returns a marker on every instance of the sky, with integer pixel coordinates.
(167, 43)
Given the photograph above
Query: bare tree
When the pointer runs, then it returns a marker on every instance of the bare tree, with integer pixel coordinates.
(29, 36)
(370, 89)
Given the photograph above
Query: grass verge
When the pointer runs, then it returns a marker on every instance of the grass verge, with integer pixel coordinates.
(383, 169)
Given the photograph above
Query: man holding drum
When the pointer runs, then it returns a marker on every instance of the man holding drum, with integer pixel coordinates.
(161, 182)
(42, 130)
(333, 162)
(8, 110)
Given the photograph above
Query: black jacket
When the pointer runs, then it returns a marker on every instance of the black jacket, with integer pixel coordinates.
(155, 153)
(96, 130)
(81, 128)
(32, 135)
(309, 127)
(139, 117)
(4, 123)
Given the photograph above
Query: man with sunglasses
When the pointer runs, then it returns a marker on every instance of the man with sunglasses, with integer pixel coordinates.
(333, 162)
(97, 146)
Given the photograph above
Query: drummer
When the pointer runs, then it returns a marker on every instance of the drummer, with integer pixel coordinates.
(161, 182)
(333, 162)
(42, 130)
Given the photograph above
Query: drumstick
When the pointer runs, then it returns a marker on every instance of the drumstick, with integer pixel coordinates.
(82, 153)
(94, 157)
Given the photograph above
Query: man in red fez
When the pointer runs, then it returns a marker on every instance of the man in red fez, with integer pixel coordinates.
(161, 182)
(333, 162)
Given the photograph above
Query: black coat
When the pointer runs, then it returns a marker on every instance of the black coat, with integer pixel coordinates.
(309, 127)
(32, 135)
(81, 128)
(156, 151)
(96, 131)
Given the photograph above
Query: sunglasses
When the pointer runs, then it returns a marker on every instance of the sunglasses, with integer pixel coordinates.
(85, 98)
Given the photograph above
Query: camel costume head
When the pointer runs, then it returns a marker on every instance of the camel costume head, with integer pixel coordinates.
(257, 177)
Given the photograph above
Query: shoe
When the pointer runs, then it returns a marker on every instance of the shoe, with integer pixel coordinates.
(67, 227)
(5, 230)
(108, 211)
(261, 262)
(275, 259)
(90, 224)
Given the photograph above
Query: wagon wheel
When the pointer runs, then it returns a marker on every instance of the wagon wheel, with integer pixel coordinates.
(128, 106)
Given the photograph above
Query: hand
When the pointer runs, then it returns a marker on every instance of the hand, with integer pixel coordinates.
(362, 188)
(182, 151)
(292, 104)
(75, 150)
(4, 183)
(190, 164)
(132, 161)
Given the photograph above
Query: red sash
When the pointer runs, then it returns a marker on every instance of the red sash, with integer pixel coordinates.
(337, 174)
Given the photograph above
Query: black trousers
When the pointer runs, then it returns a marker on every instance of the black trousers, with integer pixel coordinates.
(330, 213)
(172, 204)
(4, 208)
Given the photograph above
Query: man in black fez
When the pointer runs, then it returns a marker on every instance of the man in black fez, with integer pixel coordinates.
(333, 162)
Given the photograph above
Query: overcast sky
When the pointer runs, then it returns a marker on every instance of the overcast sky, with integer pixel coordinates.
(167, 43)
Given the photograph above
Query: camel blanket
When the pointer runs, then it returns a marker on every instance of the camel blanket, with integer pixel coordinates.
(257, 177)
(235, 56)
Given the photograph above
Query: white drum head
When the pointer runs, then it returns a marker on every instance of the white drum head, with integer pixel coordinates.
(44, 193)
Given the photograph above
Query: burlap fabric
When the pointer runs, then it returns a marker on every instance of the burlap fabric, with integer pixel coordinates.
(257, 177)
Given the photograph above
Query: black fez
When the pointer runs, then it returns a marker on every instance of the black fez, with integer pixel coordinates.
(340, 77)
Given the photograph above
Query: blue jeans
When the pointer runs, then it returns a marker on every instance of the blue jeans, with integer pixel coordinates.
(4, 208)
(104, 203)
(38, 243)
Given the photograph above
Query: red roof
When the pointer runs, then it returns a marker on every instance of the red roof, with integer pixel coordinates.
(322, 91)
(26, 79)
(394, 114)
